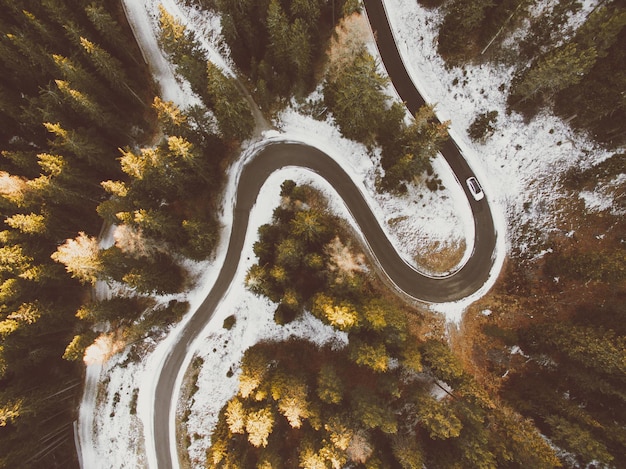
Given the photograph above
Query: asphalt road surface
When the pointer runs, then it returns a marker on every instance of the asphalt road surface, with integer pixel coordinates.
(462, 283)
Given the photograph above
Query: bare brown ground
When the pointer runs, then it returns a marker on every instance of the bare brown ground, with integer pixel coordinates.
(441, 257)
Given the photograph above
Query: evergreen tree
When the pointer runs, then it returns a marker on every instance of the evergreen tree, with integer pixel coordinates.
(343, 316)
(30, 224)
(291, 394)
(373, 355)
(310, 226)
(231, 109)
(104, 22)
(409, 153)
(407, 451)
(553, 72)
(595, 103)
(370, 410)
(185, 51)
(259, 426)
(75, 350)
(253, 370)
(462, 22)
(438, 418)
(110, 68)
(236, 415)
(81, 258)
(330, 387)
(354, 94)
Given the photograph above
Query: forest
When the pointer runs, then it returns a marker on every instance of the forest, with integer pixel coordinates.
(371, 404)
(88, 146)
(563, 312)
(576, 72)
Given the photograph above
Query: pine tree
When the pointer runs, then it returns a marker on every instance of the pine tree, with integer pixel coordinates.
(253, 370)
(462, 21)
(438, 418)
(13, 190)
(83, 103)
(300, 50)
(74, 142)
(554, 71)
(307, 10)
(278, 29)
(34, 53)
(343, 316)
(73, 72)
(231, 109)
(15, 260)
(108, 27)
(259, 426)
(330, 387)
(310, 226)
(442, 362)
(107, 65)
(370, 410)
(161, 276)
(29, 224)
(42, 29)
(520, 440)
(291, 394)
(81, 258)
(236, 415)
(75, 350)
(354, 94)
(578, 440)
(372, 355)
(289, 254)
(408, 452)
(601, 28)
(171, 118)
(257, 280)
(186, 52)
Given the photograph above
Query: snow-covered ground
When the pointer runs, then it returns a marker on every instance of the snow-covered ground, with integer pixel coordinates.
(517, 167)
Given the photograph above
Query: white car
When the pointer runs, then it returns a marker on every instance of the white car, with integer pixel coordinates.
(474, 188)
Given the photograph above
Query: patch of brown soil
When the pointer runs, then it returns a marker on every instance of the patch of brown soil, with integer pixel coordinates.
(438, 256)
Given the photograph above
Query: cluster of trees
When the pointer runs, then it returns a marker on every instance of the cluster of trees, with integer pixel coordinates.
(370, 404)
(572, 377)
(279, 43)
(470, 27)
(159, 195)
(354, 92)
(155, 212)
(292, 265)
(573, 385)
(73, 89)
(566, 314)
(579, 71)
(163, 201)
(72, 94)
(218, 92)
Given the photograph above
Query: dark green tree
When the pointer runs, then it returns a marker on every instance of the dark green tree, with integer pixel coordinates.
(230, 106)
(354, 94)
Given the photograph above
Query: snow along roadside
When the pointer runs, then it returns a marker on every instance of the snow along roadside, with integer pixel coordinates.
(114, 445)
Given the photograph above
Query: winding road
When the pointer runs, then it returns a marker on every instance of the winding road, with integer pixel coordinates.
(273, 156)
